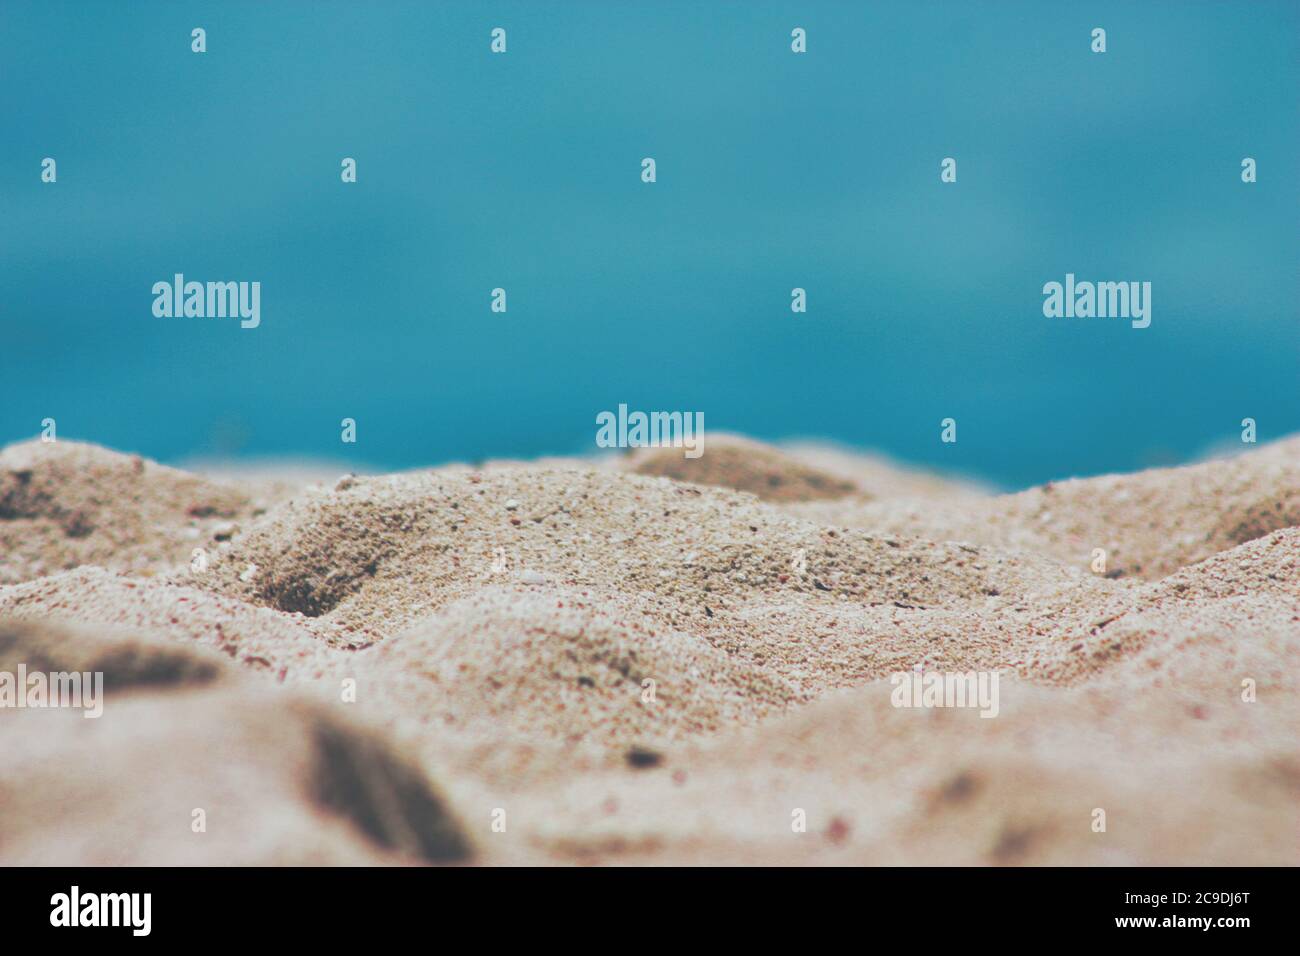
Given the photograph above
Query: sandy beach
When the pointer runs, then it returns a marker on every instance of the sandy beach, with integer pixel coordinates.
(649, 659)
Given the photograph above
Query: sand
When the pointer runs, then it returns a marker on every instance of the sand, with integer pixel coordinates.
(650, 659)
(1150, 524)
(68, 504)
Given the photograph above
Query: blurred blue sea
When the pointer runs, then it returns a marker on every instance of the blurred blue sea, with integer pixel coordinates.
(775, 170)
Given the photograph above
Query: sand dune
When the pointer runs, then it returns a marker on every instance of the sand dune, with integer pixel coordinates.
(257, 637)
(799, 472)
(66, 504)
(1150, 523)
(375, 554)
(631, 666)
(734, 462)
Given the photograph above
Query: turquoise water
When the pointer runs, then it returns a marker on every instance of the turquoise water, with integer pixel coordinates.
(774, 171)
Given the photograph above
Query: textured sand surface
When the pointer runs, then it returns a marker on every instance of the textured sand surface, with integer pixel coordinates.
(651, 659)
(1150, 523)
(67, 504)
(277, 778)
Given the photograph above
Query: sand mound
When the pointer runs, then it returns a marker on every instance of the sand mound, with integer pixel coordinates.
(503, 628)
(878, 785)
(372, 556)
(1158, 690)
(798, 472)
(1269, 564)
(1203, 630)
(594, 681)
(1150, 523)
(734, 462)
(278, 780)
(64, 504)
(257, 637)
